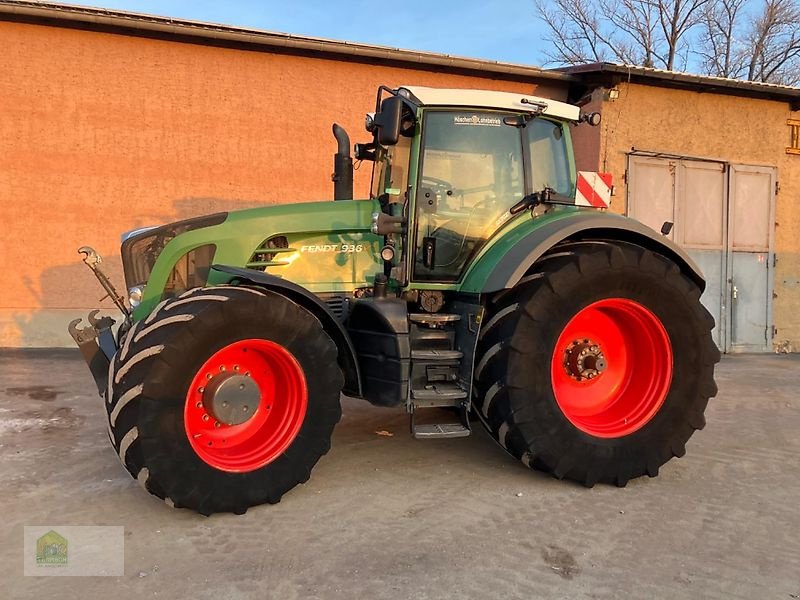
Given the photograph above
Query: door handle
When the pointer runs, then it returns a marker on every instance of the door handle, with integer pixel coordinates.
(734, 310)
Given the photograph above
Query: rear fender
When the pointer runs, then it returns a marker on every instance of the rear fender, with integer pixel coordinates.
(590, 225)
(300, 295)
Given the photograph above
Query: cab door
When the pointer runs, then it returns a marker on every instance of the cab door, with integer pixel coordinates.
(471, 172)
(474, 167)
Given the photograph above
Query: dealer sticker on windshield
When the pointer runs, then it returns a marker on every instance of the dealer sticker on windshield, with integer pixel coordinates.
(485, 120)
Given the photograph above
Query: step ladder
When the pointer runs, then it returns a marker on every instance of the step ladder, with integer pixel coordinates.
(434, 381)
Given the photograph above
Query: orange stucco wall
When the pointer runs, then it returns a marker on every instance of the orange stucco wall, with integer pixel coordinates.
(101, 133)
(730, 128)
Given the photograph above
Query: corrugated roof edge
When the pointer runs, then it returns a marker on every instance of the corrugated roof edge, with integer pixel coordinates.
(704, 83)
(55, 14)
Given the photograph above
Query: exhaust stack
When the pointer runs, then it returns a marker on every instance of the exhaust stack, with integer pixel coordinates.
(342, 166)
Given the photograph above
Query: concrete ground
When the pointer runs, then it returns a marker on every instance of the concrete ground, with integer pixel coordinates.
(390, 517)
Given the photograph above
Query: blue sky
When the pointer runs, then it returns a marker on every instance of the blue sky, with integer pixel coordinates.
(505, 30)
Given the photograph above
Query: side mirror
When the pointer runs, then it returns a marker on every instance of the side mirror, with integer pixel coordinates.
(389, 121)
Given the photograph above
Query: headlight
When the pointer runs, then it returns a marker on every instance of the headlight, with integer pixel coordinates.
(135, 296)
(387, 253)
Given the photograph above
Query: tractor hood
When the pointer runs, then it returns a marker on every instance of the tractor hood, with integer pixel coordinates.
(324, 246)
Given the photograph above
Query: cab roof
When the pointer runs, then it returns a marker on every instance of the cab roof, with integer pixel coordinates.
(427, 96)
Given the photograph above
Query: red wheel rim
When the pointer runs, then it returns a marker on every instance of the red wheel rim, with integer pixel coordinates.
(612, 368)
(271, 413)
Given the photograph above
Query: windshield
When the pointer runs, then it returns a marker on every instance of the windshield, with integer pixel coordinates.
(390, 171)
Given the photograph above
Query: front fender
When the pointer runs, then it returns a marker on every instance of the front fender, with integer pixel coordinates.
(503, 265)
(296, 293)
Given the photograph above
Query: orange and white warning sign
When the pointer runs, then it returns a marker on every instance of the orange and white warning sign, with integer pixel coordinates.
(594, 189)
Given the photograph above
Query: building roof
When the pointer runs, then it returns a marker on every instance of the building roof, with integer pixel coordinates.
(579, 78)
(487, 99)
(604, 73)
(183, 30)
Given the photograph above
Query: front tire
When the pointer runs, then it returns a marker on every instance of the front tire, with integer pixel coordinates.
(599, 367)
(224, 398)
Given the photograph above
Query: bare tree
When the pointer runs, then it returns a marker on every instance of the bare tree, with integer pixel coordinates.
(721, 50)
(638, 19)
(651, 33)
(577, 32)
(676, 18)
(773, 43)
(758, 40)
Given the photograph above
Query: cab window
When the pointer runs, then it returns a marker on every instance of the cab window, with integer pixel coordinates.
(550, 164)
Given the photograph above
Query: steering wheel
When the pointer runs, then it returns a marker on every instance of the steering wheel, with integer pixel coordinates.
(445, 189)
(436, 182)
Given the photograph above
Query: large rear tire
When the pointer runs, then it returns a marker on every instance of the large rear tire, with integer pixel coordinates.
(223, 398)
(598, 367)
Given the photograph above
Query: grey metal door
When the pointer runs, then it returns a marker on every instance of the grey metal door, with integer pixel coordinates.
(692, 196)
(723, 216)
(701, 228)
(750, 265)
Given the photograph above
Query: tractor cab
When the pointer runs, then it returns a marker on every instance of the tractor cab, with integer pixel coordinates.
(456, 165)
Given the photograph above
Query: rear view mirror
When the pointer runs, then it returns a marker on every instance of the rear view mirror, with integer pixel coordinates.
(389, 121)
(515, 121)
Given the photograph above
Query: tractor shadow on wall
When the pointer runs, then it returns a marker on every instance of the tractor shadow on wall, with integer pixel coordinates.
(71, 289)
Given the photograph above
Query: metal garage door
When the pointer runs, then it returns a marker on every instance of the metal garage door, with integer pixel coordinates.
(751, 257)
(723, 217)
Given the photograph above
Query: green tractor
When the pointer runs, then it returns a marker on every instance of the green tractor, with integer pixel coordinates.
(480, 279)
